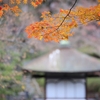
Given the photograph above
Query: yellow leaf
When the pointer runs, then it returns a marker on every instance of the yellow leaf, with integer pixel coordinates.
(1, 13)
(23, 87)
(41, 37)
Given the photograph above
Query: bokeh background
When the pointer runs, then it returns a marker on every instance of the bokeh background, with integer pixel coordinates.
(16, 48)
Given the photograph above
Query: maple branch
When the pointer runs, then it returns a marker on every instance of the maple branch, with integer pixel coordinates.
(68, 13)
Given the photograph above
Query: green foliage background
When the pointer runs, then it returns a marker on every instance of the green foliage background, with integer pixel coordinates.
(10, 78)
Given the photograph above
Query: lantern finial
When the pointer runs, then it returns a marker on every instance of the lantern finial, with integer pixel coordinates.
(65, 43)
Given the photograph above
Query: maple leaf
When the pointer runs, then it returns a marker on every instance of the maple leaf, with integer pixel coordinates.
(55, 27)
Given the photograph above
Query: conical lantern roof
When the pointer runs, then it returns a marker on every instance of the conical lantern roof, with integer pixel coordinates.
(64, 60)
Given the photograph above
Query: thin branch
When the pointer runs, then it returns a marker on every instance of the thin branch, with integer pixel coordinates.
(7, 40)
(66, 15)
(10, 40)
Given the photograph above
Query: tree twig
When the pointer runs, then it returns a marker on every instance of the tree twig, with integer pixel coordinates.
(66, 15)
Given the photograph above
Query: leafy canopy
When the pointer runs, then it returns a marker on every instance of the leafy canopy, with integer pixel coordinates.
(55, 27)
(13, 6)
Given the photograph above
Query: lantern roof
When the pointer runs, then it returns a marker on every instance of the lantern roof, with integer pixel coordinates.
(64, 60)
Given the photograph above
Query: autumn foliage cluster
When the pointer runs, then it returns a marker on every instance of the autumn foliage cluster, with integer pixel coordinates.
(59, 26)
(13, 6)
